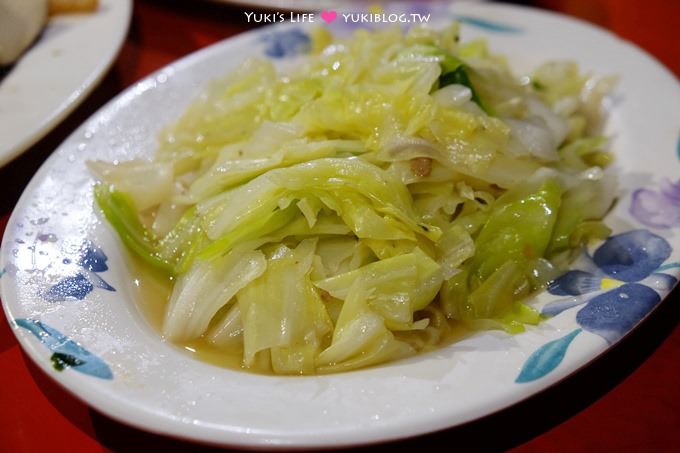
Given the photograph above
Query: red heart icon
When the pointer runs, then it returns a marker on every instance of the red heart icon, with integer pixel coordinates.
(328, 16)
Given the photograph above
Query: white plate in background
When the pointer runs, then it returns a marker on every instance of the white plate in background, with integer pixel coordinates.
(57, 73)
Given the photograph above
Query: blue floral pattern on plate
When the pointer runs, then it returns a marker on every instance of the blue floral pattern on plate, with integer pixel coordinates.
(546, 358)
(287, 43)
(618, 285)
(66, 353)
(92, 261)
(657, 209)
(486, 24)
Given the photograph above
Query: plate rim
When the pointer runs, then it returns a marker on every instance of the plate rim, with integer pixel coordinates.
(50, 121)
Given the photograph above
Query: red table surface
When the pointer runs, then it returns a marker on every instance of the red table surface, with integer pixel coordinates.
(627, 400)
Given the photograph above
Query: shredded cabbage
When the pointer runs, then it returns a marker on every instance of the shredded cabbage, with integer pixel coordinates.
(353, 211)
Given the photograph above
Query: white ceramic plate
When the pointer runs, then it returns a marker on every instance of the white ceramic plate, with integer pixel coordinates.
(69, 295)
(57, 73)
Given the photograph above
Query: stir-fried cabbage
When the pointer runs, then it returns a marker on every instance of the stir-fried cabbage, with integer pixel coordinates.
(350, 212)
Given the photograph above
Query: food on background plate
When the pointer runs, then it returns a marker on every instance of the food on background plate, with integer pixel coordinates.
(22, 21)
(72, 6)
(365, 206)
